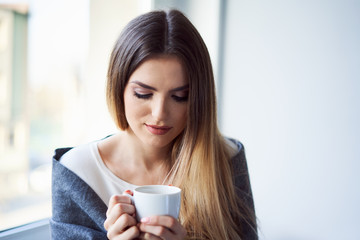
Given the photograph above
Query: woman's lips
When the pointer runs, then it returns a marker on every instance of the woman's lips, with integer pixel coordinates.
(157, 130)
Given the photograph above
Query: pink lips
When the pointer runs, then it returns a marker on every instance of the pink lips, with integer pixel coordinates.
(157, 130)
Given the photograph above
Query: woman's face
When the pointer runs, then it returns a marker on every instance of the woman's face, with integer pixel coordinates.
(156, 101)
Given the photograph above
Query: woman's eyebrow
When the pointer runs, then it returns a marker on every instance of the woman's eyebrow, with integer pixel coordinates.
(180, 88)
(154, 89)
(143, 85)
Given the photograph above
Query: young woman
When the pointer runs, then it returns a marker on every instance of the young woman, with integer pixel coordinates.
(161, 94)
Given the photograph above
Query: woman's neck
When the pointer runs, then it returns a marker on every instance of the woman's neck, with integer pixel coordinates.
(142, 154)
(132, 161)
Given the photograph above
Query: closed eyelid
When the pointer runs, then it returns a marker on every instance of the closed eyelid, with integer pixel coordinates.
(181, 93)
(141, 90)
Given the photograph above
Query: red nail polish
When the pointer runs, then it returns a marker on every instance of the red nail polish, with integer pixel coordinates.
(129, 192)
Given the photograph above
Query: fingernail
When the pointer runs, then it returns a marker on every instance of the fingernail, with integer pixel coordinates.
(170, 185)
(129, 192)
(145, 220)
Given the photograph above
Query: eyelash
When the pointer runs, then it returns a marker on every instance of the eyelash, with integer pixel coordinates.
(142, 96)
(147, 96)
(179, 99)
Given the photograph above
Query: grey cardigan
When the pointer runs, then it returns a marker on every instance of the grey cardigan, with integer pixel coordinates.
(79, 213)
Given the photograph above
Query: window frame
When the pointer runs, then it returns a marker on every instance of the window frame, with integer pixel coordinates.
(35, 230)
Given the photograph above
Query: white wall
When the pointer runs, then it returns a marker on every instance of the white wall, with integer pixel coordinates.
(106, 20)
(291, 95)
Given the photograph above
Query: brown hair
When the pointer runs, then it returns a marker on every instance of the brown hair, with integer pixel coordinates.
(200, 156)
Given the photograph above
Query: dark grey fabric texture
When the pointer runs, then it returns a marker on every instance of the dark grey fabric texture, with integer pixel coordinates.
(244, 192)
(79, 213)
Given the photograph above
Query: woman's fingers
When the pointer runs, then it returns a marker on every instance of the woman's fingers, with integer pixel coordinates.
(120, 221)
(118, 205)
(117, 211)
(115, 199)
(148, 236)
(165, 227)
(156, 232)
(131, 233)
(125, 225)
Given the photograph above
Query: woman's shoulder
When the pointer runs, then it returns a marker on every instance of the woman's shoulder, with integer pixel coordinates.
(79, 155)
(235, 147)
(238, 158)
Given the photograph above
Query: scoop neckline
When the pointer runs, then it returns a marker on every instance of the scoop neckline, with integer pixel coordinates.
(106, 170)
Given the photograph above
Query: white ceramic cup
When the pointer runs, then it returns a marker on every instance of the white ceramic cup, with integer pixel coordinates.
(156, 200)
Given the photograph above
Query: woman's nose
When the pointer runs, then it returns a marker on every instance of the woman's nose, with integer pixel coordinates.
(159, 109)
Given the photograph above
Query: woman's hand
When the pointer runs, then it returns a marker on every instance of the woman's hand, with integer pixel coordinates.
(161, 227)
(120, 218)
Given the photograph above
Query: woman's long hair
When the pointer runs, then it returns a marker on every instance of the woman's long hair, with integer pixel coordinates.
(200, 157)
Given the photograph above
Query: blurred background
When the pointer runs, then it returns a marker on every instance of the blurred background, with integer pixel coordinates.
(288, 84)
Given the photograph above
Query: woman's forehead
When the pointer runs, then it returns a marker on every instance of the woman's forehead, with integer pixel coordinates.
(160, 70)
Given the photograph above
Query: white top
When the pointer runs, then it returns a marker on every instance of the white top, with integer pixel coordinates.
(86, 162)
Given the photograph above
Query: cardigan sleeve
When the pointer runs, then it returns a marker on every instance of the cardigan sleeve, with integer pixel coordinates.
(77, 211)
(243, 190)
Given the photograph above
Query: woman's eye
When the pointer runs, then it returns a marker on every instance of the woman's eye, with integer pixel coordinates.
(142, 96)
(179, 99)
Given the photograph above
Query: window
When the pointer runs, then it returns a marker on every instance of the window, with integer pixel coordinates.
(53, 62)
(15, 168)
